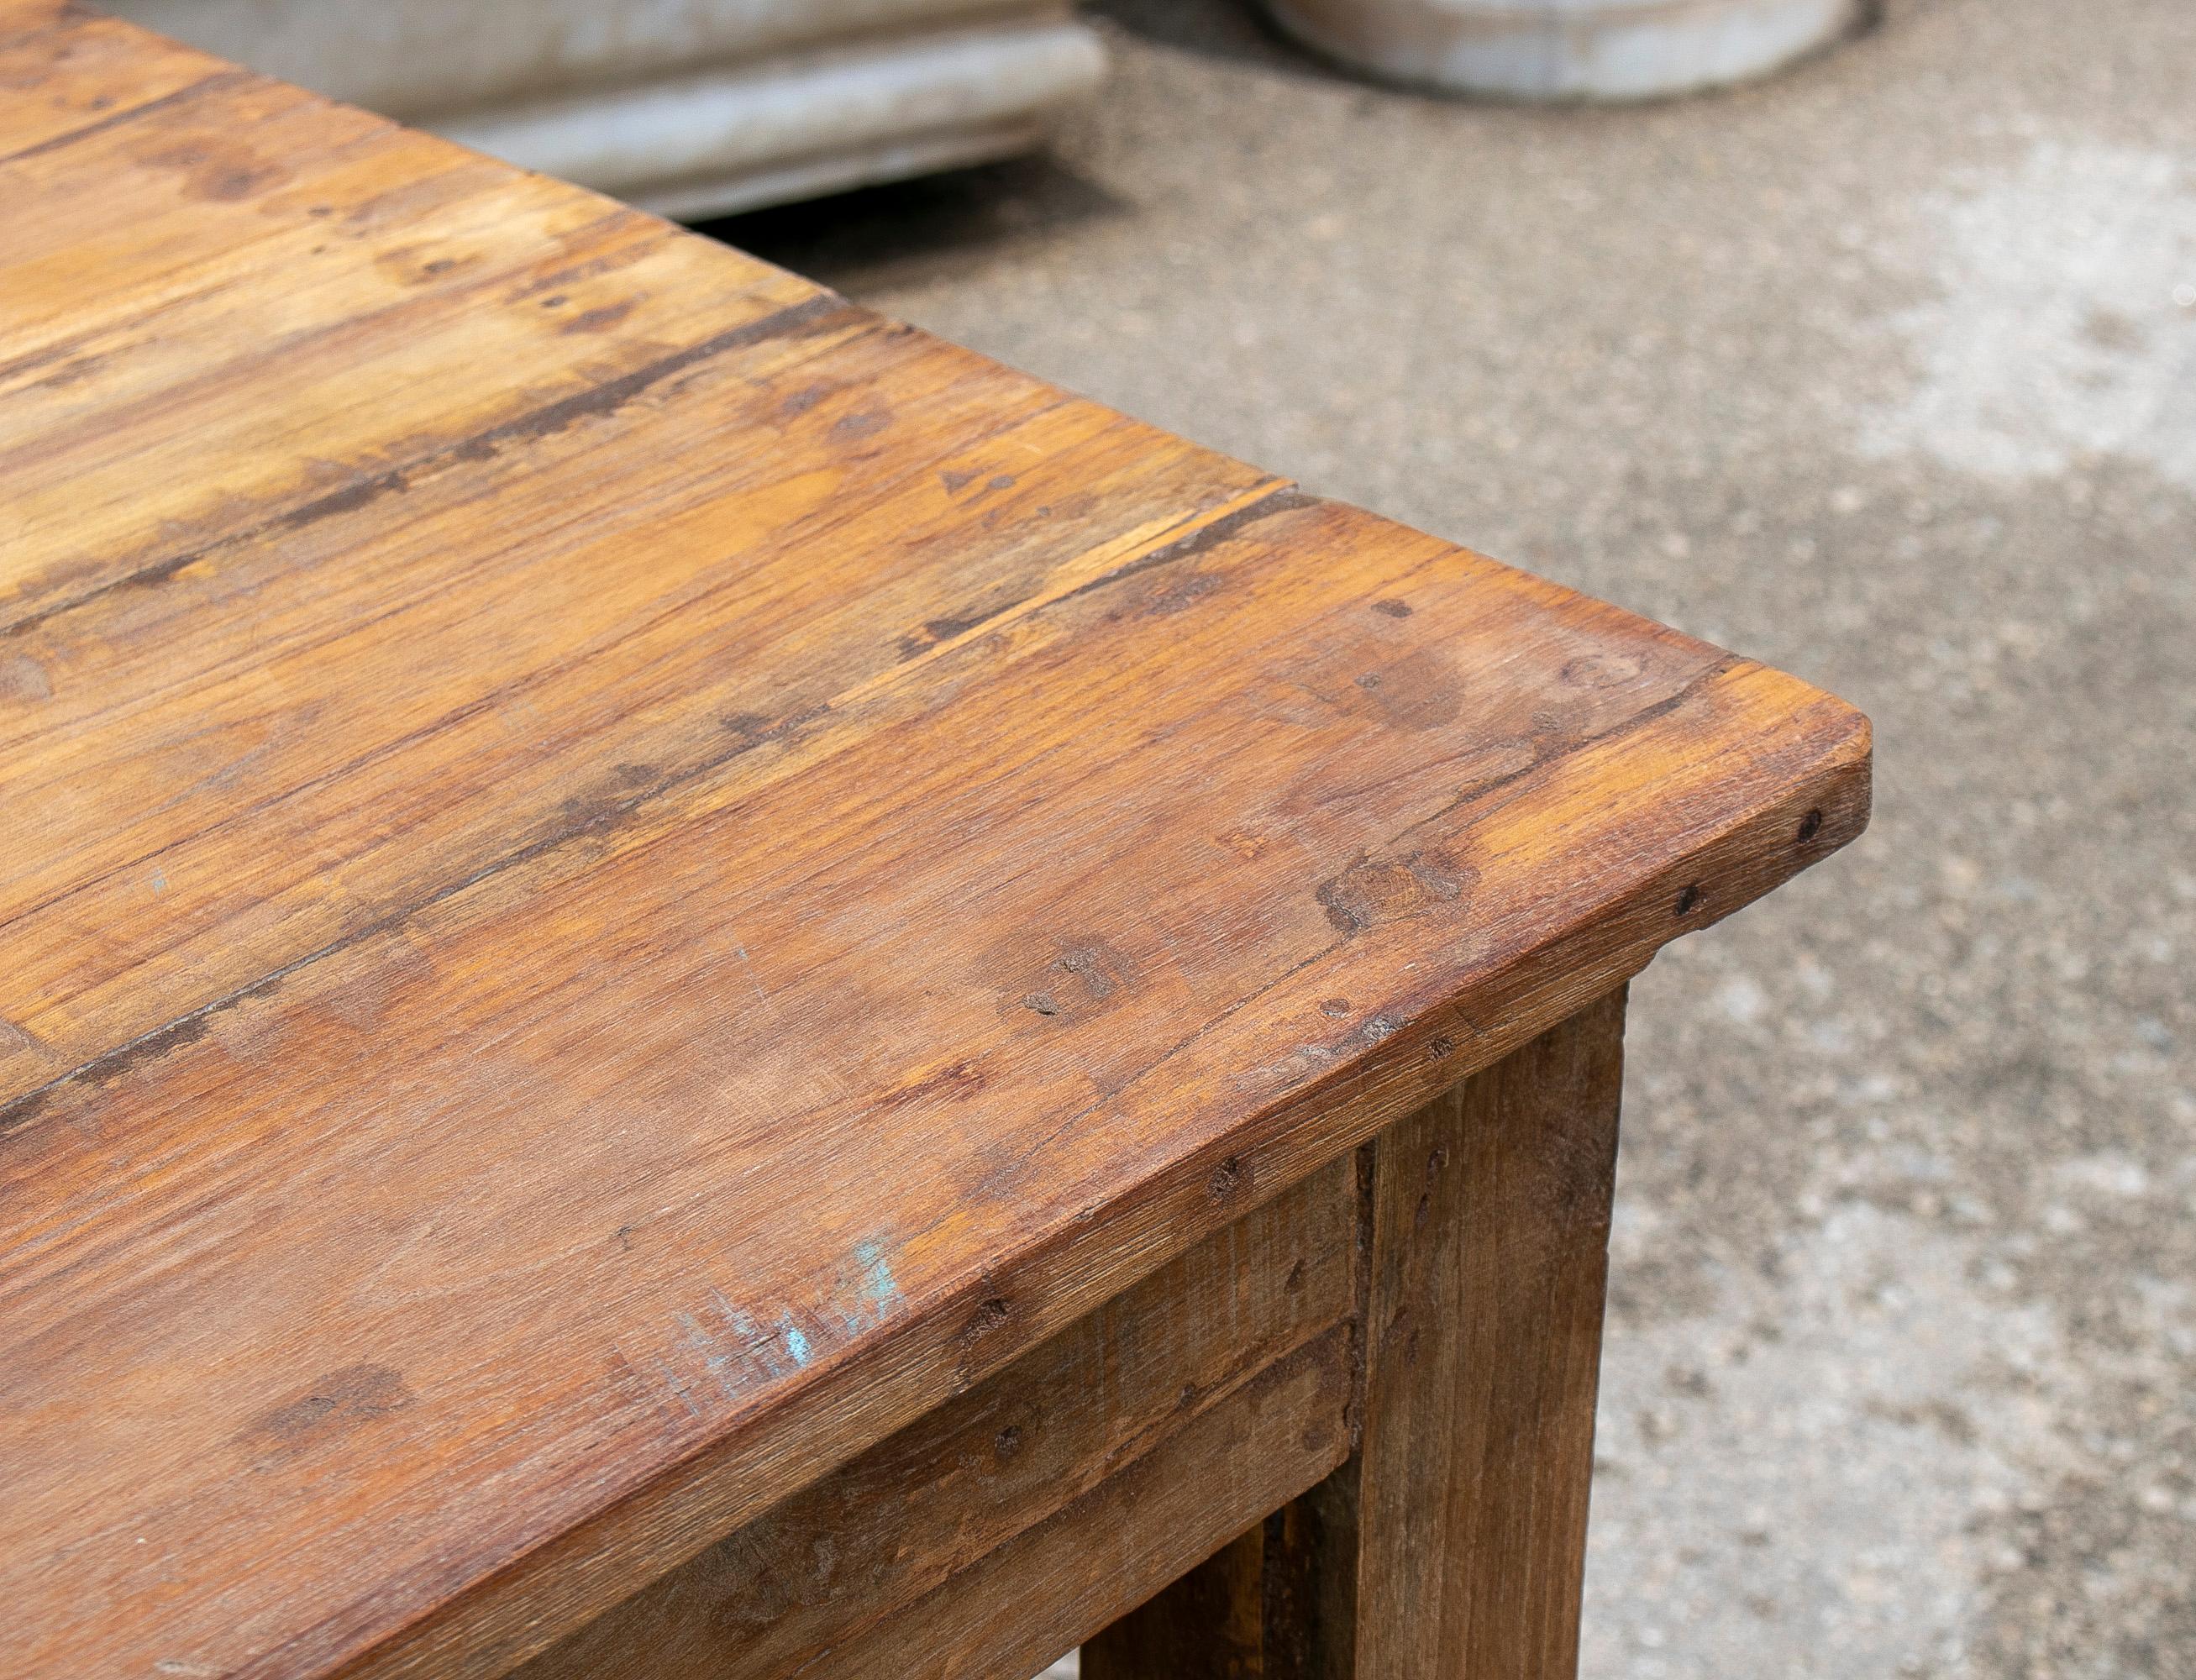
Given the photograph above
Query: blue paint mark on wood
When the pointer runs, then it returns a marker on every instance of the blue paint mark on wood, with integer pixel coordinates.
(740, 1353)
(795, 1343)
(878, 1291)
(715, 1359)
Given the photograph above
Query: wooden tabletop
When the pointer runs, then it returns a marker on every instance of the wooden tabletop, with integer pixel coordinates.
(620, 875)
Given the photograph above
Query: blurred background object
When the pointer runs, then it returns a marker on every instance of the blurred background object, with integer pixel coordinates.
(687, 107)
(1883, 370)
(1568, 49)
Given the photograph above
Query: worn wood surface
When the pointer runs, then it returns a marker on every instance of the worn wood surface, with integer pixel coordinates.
(620, 877)
(1490, 1259)
(1452, 1543)
(1278, 1601)
(1056, 1586)
(1209, 1623)
(793, 1590)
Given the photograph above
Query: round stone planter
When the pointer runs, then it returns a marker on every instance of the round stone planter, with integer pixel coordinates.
(1569, 49)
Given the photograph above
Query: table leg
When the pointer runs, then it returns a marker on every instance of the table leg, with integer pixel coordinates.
(1452, 1543)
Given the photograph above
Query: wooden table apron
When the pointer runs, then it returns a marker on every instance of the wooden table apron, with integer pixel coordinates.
(1369, 1403)
(693, 979)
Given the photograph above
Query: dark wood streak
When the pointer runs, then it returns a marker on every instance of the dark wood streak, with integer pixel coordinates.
(1283, 498)
(794, 321)
(187, 1029)
(582, 819)
(113, 119)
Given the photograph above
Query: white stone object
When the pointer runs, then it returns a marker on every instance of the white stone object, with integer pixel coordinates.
(1569, 49)
(688, 107)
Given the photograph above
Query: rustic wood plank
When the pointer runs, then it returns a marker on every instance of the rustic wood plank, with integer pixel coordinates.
(794, 1587)
(411, 335)
(1490, 1264)
(1209, 1623)
(63, 75)
(1061, 1582)
(602, 920)
(1277, 1602)
(1454, 1542)
(237, 838)
(125, 210)
(66, 71)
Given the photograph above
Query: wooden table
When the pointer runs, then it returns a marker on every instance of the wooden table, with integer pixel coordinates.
(697, 986)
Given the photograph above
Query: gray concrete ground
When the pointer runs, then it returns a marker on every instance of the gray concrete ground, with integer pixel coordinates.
(1884, 371)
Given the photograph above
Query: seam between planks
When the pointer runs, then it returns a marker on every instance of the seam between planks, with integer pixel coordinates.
(791, 321)
(190, 91)
(188, 1027)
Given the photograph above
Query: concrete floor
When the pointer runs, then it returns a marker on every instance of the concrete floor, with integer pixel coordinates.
(1884, 371)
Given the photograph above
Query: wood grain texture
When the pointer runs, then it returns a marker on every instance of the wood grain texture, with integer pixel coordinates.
(1209, 1623)
(1451, 1546)
(621, 878)
(1490, 1266)
(1050, 1588)
(1276, 1602)
(792, 1589)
